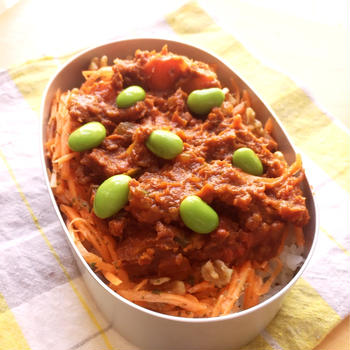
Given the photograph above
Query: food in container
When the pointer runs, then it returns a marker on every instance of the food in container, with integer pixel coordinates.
(199, 234)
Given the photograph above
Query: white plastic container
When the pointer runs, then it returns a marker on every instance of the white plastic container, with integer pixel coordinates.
(145, 328)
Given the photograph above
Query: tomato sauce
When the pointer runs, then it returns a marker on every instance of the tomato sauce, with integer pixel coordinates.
(151, 238)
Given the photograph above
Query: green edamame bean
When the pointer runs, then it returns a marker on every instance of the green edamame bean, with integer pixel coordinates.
(129, 96)
(164, 144)
(202, 101)
(198, 215)
(111, 196)
(248, 161)
(88, 136)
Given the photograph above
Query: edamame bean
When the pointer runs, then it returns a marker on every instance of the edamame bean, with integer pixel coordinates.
(202, 101)
(198, 215)
(88, 136)
(248, 161)
(129, 96)
(111, 196)
(164, 144)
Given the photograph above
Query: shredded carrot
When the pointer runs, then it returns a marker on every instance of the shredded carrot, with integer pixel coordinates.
(55, 113)
(299, 236)
(237, 121)
(66, 124)
(246, 98)
(267, 285)
(269, 126)
(217, 307)
(283, 241)
(60, 187)
(183, 302)
(111, 277)
(201, 287)
(87, 231)
(141, 284)
(235, 288)
(111, 246)
(65, 158)
(239, 109)
(253, 286)
(93, 260)
(271, 182)
(236, 90)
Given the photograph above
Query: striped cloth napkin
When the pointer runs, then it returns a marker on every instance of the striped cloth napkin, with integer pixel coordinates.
(44, 303)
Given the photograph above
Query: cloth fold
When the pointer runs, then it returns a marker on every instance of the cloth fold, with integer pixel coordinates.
(41, 290)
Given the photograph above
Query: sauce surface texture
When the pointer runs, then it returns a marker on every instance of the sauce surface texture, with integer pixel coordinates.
(147, 240)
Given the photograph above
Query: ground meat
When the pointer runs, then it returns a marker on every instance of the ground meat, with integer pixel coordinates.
(152, 239)
(150, 250)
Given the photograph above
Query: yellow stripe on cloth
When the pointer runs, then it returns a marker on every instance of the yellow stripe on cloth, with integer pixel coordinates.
(54, 253)
(31, 79)
(311, 129)
(304, 319)
(340, 246)
(65, 58)
(11, 336)
(259, 343)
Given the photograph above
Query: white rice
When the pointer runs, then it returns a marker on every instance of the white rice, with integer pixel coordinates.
(292, 259)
